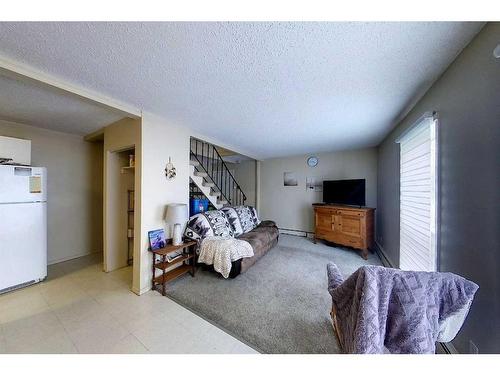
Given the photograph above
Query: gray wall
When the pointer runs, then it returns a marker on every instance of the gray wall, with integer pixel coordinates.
(467, 98)
(291, 206)
(74, 185)
(245, 175)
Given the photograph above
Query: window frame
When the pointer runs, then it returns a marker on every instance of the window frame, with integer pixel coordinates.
(435, 184)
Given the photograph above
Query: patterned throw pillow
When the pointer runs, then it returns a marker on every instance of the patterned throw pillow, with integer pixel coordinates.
(198, 227)
(255, 217)
(246, 219)
(234, 220)
(206, 224)
(219, 223)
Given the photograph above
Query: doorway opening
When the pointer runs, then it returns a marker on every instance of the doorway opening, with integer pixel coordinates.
(120, 207)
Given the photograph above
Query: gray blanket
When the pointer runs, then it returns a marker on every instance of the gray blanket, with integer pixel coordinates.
(405, 311)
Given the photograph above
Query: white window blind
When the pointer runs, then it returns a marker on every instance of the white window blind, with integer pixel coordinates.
(418, 196)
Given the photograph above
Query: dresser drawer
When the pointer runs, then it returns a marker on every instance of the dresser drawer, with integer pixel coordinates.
(325, 211)
(350, 213)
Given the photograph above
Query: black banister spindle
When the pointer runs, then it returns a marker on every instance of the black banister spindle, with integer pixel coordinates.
(205, 155)
(202, 151)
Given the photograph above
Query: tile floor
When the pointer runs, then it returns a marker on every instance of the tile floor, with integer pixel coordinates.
(80, 309)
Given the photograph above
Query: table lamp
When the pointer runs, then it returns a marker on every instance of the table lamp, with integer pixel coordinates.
(176, 217)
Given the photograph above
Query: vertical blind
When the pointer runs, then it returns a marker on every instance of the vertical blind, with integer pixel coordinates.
(418, 196)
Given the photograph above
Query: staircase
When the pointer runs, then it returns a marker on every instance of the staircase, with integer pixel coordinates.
(211, 176)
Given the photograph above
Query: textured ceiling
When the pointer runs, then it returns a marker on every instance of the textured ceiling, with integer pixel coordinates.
(39, 105)
(273, 89)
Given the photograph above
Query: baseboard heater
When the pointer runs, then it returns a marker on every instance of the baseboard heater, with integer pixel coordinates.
(296, 232)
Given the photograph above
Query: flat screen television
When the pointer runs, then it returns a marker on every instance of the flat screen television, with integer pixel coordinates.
(348, 192)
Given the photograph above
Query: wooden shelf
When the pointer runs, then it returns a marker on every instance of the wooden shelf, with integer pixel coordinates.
(130, 226)
(169, 248)
(170, 275)
(186, 262)
(165, 265)
(128, 169)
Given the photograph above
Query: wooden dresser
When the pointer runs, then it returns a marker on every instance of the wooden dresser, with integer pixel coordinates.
(345, 225)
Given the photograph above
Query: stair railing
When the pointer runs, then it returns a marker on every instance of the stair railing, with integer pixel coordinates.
(214, 166)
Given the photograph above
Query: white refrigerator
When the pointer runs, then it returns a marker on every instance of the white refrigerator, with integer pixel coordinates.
(23, 226)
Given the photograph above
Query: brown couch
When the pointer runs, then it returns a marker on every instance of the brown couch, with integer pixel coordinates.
(262, 239)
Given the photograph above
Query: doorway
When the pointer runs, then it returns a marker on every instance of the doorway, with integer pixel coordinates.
(120, 210)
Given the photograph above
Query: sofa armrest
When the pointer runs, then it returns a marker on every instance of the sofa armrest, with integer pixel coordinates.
(334, 276)
(267, 223)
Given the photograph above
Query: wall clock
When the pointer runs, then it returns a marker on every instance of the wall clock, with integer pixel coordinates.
(312, 161)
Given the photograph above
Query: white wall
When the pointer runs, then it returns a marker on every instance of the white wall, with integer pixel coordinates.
(160, 140)
(74, 207)
(290, 206)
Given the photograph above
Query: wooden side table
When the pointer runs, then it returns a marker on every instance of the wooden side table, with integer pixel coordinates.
(160, 262)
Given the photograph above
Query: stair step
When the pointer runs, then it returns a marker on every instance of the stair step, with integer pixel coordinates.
(194, 162)
(223, 201)
(214, 193)
(200, 174)
(208, 184)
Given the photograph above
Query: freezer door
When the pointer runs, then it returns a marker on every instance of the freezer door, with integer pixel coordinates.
(23, 243)
(22, 184)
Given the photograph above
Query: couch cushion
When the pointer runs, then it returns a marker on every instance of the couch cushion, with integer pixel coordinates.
(209, 223)
(262, 239)
(234, 220)
(246, 219)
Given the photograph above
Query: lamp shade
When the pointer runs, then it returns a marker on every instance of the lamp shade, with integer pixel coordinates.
(177, 213)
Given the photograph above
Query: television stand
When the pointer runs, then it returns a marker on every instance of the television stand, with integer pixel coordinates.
(345, 225)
